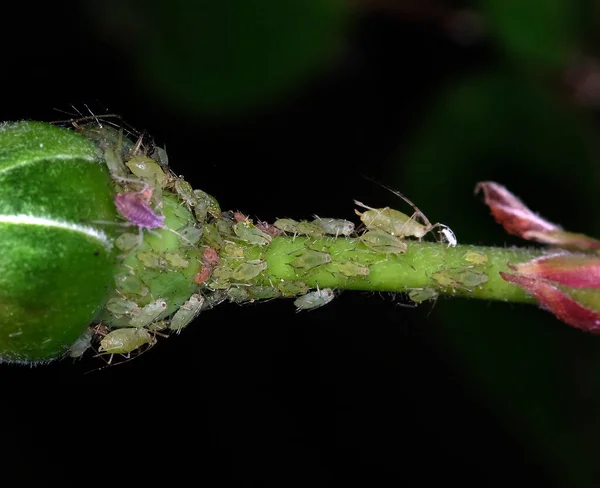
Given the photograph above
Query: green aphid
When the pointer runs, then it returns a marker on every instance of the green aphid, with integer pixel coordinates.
(201, 211)
(314, 299)
(248, 232)
(392, 221)
(224, 227)
(211, 204)
(121, 306)
(158, 326)
(238, 294)
(221, 276)
(147, 169)
(185, 192)
(334, 227)
(151, 260)
(381, 241)
(291, 288)
(263, 292)
(419, 295)
(129, 284)
(476, 257)
(310, 259)
(469, 278)
(287, 225)
(126, 242)
(212, 237)
(445, 279)
(148, 313)
(233, 251)
(82, 344)
(187, 312)
(309, 229)
(123, 341)
(190, 235)
(352, 268)
(213, 299)
(176, 260)
(249, 270)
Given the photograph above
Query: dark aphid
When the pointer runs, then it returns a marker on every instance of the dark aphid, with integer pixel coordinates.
(136, 210)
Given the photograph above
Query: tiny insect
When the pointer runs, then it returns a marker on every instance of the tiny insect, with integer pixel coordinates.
(82, 344)
(123, 341)
(249, 233)
(148, 313)
(310, 259)
(249, 270)
(290, 288)
(401, 225)
(381, 241)
(187, 313)
(309, 229)
(351, 268)
(287, 225)
(314, 299)
(334, 227)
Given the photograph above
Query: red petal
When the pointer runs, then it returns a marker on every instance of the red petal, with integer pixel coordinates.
(511, 212)
(562, 306)
(567, 240)
(574, 270)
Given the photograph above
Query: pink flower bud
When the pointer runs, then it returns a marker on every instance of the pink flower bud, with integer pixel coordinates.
(573, 270)
(518, 220)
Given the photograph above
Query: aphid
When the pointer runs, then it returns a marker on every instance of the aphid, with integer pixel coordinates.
(290, 288)
(121, 306)
(123, 341)
(213, 237)
(309, 229)
(287, 225)
(129, 284)
(151, 260)
(126, 242)
(176, 260)
(209, 203)
(238, 294)
(187, 312)
(381, 241)
(419, 295)
(314, 299)
(134, 208)
(191, 235)
(249, 270)
(268, 228)
(221, 276)
(82, 344)
(210, 257)
(239, 217)
(334, 227)
(185, 192)
(147, 169)
(224, 227)
(263, 292)
(399, 224)
(310, 259)
(248, 232)
(233, 251)
(203, 275)
(148, 313)
(476, 258)
(351, 268)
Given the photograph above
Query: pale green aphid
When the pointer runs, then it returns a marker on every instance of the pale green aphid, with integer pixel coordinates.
(476, 257)
(209, 202)
(224, 227)
(221, 276)
(381, 241)
(148, 313)
(310, 259)
(444, 279)
(238, 294)
(419, 295)
(121, 306)
(460, 278)
(314, 299)
(287, 225)
(391, 221)
(248, 232)
(309, 229)
(151, 260)
(190, 235)
(213, 237)
(249, 270)
(334, 227)
(158, 326)
(176, 260)
(233, 251)
(186, 192)
(187, 312)
(290, 288)
(263, 292)
(129, 284)
(82, 344)
(122, 341)
(352, 268)
(147, 169)
(126, 242)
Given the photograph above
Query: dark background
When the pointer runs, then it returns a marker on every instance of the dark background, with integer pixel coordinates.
(277, 108)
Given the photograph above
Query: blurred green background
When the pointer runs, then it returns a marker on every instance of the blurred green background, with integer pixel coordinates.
(277, 107)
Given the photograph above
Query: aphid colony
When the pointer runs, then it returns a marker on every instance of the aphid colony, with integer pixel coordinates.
(180, 254)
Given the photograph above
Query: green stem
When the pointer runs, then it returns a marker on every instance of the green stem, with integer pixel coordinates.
(424, 265)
